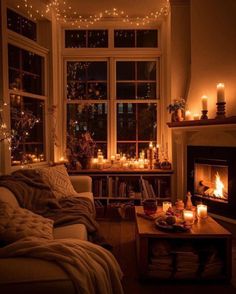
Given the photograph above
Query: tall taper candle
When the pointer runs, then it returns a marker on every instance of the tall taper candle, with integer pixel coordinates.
(220, 93)
(204, 102)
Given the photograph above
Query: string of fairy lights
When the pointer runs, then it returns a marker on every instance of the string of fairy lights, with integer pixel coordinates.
(67, 14)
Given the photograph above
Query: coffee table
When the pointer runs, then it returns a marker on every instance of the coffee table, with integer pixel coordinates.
(204, 232)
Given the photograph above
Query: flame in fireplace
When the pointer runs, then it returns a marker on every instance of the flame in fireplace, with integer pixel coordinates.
(219, 186)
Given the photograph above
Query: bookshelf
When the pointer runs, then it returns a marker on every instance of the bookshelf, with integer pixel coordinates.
(112, 187)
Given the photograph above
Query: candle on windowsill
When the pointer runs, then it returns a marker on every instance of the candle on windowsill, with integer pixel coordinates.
(188, 115)
(220, 93)
(166, 205)
(201, 211)
(204, 102)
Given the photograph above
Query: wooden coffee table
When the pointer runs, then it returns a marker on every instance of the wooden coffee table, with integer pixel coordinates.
(205, 231)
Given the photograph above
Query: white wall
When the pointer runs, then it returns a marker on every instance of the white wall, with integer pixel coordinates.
(213, 53)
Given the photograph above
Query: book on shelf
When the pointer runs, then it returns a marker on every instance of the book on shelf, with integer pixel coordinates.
(148, 191)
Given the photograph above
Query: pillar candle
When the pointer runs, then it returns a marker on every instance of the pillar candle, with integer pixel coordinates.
(188, 216)
(196, 116)
(204, 102)
(201, 210)
(166, 205)
(220, 93)
(188, 115)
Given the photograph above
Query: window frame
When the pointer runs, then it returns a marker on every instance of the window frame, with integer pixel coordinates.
(24, 43)
(112, 54)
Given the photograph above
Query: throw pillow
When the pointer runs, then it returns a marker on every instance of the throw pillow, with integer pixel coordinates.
(17, 223)
(58, 180)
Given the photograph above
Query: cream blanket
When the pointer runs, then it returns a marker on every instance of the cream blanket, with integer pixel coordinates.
(93, 269)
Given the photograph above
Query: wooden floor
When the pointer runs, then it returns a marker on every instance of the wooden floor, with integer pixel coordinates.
(122, 236)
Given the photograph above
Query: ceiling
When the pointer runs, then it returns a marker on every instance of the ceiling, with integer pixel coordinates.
(132, 8)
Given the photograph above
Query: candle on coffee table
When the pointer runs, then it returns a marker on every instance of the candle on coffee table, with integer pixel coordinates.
(201, 210)
(166, 205)
(188, 216)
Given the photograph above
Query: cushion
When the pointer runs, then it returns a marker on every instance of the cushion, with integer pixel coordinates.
(58, 180)
(17, 223)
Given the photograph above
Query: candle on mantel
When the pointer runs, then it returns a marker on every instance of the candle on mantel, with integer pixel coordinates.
(196, 116)
(201, 210)
(220, 93)
(188, 115)
(204, 102)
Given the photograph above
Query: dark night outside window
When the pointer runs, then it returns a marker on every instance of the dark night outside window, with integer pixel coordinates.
(21, 25)
(86, 38)
(135, 39)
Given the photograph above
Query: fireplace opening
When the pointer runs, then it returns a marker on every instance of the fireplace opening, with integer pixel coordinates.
(211, 180)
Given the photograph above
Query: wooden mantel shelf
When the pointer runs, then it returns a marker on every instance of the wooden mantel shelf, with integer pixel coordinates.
(202, 122)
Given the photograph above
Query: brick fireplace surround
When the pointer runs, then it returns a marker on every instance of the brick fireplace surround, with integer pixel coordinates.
(184, 135)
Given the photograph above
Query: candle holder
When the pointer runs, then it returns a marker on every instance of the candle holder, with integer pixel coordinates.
(204, 114)
(220, 110)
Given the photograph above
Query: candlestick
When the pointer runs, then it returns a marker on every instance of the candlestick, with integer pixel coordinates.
(220, 93)
(204, 102)
(201, 211)
(220, 113)
(204, 114)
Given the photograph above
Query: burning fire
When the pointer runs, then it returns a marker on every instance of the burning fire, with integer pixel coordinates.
(219, 186)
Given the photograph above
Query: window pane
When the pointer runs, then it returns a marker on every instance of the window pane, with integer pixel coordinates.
(97, 38)
(126, 121)
(97, 70)
(97, 90)
(146, 91)
(124, 38)
(147, 122)
(128, 149)
(75, 38)
(125, 91)
(21, 25)
(27, 124)
(86, 72)
(25, 70)
(86, 117)
(147, 38)
(146, 70)
(125, 70)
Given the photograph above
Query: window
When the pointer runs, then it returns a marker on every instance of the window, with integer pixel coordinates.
(27, 101)
(86, 38)
(135, 38)
(136, 122)
(21, 25)
(117, 96)
(86, 102)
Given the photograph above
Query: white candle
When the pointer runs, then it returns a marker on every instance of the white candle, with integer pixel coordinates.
(204, 102)
(196, 116)
(201, 210)
(150, 145)
(220, 93)
(166, 205)
(112, 159)
(188, 216)
(188, 115)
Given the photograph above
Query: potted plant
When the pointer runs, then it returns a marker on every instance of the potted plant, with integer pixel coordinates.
(177, 109)
(80, 149)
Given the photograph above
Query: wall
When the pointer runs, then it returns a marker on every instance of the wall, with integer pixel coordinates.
(213, 47)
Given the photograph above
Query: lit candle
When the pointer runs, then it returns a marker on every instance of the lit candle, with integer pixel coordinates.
(150, 145)
(166, 205)
(112, 159)
(220, 93)
(188, 216)
(188, 115)
(201, 210)
(196, 116)
(204, 102)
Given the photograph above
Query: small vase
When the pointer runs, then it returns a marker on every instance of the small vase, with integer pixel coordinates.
(177, 115)
(189, 203)
(85, 162)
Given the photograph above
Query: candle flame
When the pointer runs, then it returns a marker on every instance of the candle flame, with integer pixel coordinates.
(219, 186)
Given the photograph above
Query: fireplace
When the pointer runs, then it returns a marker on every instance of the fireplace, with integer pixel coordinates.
(211, 178)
